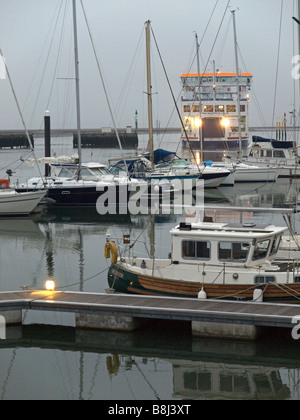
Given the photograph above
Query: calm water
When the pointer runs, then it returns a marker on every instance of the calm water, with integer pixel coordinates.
(42, 360)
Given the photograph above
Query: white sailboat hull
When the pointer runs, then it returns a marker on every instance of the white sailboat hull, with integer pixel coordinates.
(13, 203)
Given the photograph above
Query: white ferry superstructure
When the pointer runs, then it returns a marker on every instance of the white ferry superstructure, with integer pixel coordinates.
(214, 117)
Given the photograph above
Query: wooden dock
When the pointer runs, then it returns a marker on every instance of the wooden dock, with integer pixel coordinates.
(116, 307)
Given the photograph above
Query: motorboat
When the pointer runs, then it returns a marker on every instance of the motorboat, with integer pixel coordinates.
(211, 261)
(279, 154)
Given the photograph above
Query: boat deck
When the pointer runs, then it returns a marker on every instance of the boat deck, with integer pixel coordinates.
(250, 313)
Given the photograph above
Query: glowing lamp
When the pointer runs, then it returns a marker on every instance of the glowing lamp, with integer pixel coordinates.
(225, 122)
(198, 122)
(50, 285)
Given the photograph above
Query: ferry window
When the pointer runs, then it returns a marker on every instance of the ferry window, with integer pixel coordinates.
(219, 108)
(261, 250)
(243, 108)
(192, 250)
(196, 108)
(275, 245)
(186, 108)
(231, 108)
(233, 251)
(208, 108)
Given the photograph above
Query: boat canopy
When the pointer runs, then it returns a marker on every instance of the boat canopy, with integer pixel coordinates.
(162, 156)
(142, 163)
(276, 144)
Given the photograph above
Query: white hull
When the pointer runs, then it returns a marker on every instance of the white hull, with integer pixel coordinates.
(19, 204)
(256, 174)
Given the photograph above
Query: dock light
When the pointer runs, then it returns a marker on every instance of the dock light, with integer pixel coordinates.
(50, 285)
(225, 122)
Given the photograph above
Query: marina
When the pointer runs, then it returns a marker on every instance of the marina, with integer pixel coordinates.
(149, 263)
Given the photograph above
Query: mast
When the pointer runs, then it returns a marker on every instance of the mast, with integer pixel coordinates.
(77, 89)
(237, 83)
(200, 104)
(149, 93)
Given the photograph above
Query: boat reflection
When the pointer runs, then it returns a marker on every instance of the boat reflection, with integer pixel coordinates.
(149, 358)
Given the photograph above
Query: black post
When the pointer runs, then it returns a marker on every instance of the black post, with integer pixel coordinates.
(47, 141)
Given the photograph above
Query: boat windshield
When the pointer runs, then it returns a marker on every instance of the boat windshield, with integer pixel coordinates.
(99, 171)
(261, 250)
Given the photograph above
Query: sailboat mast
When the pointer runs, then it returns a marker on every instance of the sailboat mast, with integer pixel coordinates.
(77, 88)
(200, 103)
(149, 93)
(237, 83)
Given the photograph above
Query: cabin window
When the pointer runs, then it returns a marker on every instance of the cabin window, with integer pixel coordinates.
(261, 250)
(264, 279)
(196, 250)
(278, 154)
(266, 153)
(196, 108)
(186, 108)
(275, 245)
(233, 251)
(85, 172)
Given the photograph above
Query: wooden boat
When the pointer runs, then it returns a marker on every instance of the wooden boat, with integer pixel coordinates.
(212, 261)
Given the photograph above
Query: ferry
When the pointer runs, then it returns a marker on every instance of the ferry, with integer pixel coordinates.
(211, 119)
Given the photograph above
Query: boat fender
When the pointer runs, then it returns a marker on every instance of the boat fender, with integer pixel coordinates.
(202, 294)
(258, 295)
(111, 249)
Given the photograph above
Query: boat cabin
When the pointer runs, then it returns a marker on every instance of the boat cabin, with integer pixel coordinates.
(263, 150)
(245, 245)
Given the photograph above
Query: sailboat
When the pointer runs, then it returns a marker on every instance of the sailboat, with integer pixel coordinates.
(72, 188)
(161, 165)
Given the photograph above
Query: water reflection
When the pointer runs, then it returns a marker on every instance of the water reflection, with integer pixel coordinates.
(161, 362)
(164, 362)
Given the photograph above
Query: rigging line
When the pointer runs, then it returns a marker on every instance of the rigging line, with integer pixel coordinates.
(20, 112)
(277, 66)
(213, 46)
(222, 49)
(34, 75)
(178, 112)
(208, 23)
(130, 75)
(104, 88)
(57, 60)
(46, 65)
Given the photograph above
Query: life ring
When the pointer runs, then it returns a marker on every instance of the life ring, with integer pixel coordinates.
(111, 248)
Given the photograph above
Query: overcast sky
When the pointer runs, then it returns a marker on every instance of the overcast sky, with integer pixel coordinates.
(37, 42)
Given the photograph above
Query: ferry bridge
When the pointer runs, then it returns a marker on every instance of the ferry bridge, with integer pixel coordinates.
(122, 312)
